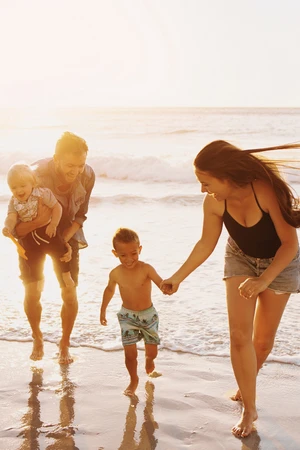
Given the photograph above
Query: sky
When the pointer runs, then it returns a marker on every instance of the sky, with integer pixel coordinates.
(150, 53)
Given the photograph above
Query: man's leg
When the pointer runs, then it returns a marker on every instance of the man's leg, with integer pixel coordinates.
(68, 316)
(33, 311)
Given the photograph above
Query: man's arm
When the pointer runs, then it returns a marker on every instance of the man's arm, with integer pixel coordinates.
(80, 216)
(89, 183)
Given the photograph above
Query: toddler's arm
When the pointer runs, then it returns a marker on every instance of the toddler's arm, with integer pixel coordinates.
(107, 296)
(55, 218)
(10, 223)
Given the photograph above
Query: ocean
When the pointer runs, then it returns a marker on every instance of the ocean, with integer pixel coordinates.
(143, 160)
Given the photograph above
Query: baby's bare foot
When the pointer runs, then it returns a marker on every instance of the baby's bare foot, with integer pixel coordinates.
(244, 427)
(37, 349)
(131, 388)
(68, 280)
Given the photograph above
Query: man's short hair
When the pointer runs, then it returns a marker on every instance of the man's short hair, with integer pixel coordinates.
(70, 143)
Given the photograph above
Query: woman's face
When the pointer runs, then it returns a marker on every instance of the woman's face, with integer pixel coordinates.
(219, 189)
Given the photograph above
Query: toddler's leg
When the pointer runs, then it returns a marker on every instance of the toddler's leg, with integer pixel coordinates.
(150, 355)
(131, 365)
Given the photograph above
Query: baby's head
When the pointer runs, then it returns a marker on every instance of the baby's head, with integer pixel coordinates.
(21, 180)
(126, 247)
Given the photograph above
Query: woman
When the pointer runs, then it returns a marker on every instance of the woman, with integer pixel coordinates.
(262, 263)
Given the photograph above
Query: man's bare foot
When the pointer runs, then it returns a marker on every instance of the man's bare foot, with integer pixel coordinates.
(68, 280)
(64, 355)
(37, 349)
(244, 427)
(131, 388)
(237, 397)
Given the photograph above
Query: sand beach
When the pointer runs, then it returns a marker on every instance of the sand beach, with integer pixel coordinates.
(50, 406)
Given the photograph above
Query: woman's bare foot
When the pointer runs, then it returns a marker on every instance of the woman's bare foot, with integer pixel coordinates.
(68, 280)
(244, 427)
(237, 397)
(37, 349)
(131, 388)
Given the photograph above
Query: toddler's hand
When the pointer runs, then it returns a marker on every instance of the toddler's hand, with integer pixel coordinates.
(51, 230)
(103, 320)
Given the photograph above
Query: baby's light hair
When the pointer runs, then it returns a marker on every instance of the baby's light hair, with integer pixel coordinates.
(21, 172)
(125, 235)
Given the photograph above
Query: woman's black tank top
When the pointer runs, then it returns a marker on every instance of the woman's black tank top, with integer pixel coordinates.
(259, 241)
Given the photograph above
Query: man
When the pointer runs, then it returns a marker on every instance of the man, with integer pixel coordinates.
(71, 180)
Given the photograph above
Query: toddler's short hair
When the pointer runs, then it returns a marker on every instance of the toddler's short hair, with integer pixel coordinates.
(125, 235)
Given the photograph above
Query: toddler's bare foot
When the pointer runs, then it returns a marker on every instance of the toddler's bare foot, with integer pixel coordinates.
(149, 365)
(131, 388)
(154, 374)
(244, 427)
(68, 280)
(37, 349)
(237, 397)
(64, 355)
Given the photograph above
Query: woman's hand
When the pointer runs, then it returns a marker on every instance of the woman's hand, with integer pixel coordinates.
(67, 256)
(252, 287)
(169, 286)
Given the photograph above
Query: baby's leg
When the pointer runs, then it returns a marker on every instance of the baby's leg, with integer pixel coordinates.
(68, 280)
(131, 365)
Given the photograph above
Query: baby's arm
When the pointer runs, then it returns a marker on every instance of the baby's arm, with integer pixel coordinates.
(55, 218)
(10, 223)
(107, 296)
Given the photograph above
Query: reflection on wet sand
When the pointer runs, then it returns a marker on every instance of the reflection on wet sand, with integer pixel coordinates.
(62, 434)
(31, 420)
(146, 440)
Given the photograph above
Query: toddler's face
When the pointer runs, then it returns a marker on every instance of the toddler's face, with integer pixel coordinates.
(128, 253)
(21, 189)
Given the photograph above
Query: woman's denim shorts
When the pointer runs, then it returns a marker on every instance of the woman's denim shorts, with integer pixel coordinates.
(237, 263)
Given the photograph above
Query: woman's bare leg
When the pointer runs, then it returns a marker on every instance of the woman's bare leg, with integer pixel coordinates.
(243, 358)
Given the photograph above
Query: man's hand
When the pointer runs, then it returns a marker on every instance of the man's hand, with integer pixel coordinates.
(67, 256)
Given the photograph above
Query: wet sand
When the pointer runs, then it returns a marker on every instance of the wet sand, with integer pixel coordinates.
(50, 406)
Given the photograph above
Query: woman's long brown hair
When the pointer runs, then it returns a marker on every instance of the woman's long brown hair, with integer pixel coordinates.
(225, 161)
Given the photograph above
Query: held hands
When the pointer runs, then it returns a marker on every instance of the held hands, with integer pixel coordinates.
(252, 287)
(169, 287)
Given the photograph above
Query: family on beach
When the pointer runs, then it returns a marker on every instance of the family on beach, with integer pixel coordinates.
(244, 191)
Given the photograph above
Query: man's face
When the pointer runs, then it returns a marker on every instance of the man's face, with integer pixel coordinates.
(69, 166)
